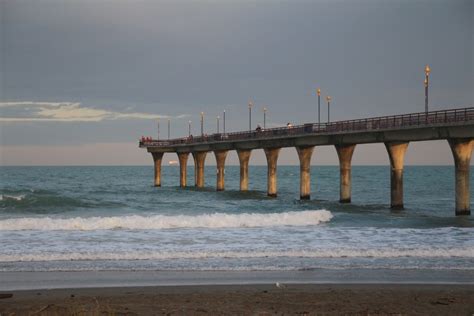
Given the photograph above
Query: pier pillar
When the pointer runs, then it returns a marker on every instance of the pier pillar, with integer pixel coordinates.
(304, 154)
(462, 152)
(183, 162)
(244, 157)
(344, 152)
(220, 161)
(272, 157)
(157, 157)
(199, 159)
(396, 152)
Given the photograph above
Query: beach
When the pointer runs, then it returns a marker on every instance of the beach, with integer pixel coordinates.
(327, 292)
(103, 240)
(255, 299)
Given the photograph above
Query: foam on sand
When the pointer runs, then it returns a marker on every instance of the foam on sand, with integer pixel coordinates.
(466, 252)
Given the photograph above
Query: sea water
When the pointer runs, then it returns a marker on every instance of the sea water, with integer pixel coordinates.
(113, 218)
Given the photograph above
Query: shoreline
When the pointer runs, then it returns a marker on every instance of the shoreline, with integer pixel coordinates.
(16, 281)
(260, 299)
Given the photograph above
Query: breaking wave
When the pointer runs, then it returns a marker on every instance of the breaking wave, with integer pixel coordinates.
(46, 202)
(6, 197)
(135, 222)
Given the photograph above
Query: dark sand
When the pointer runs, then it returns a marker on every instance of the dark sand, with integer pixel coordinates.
(292, 299)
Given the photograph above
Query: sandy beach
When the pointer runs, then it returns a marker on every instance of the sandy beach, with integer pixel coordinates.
(291, 299)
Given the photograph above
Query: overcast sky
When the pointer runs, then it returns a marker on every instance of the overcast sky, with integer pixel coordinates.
(81, 81)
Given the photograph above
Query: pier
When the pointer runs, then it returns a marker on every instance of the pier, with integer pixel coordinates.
(396, 132)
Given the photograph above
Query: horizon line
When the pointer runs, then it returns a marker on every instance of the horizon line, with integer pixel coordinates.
(236, 165)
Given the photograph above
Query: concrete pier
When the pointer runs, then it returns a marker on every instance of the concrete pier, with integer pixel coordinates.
(199, 159)
(396, 152)
(157, 157)
(304, 154)
(220, 162)
(244, 157)
(183, 163)
(395, 131)
(462, 152)
(344, 152)
(272, 157)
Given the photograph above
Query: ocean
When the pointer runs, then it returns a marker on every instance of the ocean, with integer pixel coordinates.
(114, 219)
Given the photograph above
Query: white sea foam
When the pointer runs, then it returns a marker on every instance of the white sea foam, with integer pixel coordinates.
(467, 252)
(216, 220)
(12, 197)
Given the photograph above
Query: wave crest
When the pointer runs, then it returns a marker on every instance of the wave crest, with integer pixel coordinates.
(135, 222)
(5, 197)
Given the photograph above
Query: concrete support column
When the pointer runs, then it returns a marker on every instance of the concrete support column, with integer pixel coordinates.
(199, 159)
(220, 161)
(244, 157)
(344, 152)
(272, 157)
(157, 157)
(396, 152)
(195, 170)
(183, 163)
(304, 153)
(462, 151)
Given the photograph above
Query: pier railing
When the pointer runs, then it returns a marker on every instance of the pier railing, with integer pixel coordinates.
(421, 119)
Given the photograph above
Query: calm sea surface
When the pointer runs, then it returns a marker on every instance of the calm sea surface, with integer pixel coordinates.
(112, 218)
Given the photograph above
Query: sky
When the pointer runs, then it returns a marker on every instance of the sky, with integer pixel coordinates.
(82, 81)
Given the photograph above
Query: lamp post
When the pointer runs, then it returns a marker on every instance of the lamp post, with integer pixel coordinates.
(218, 124)
(169, 128)
(427, 76)
(250, 116)
(264, 117)
(224, 121)
(189, 128)
(158, 129)
(328, 98)
(202, 124)
(318, 91)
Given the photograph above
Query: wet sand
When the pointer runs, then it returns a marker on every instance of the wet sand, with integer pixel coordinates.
(291, 299)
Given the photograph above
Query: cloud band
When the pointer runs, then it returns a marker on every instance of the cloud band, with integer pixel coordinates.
(27, 111)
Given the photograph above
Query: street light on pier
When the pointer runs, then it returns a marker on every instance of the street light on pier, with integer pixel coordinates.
(169, 123)
(318, 92)
(224, 121)
(264, 117)
(250, 116)
(218, 124)
(427, 77)
(328, 99)
(189, 128)
(202, 124)
(158, 129)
